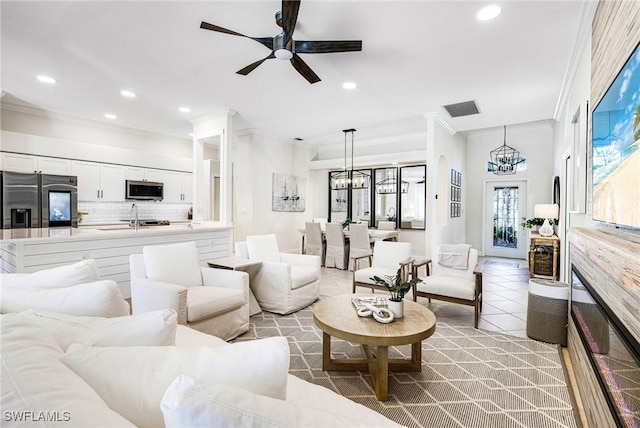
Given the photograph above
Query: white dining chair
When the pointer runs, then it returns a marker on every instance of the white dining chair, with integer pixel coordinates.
(313, 243)
(322, 221)
(359, 245)
(336, 254)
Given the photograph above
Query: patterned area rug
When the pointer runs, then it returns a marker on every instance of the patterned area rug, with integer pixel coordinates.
(469, 378)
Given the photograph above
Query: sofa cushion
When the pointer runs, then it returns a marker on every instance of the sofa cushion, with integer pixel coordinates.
(189, 403)
(309, 395)
(99, 299)
(186, 337)
(263, 248)
(133, 380)
(205, 302)
(155, 328)
(62, 276)
(449, 286)
(173, 263)
(34, 380)
(303, 275)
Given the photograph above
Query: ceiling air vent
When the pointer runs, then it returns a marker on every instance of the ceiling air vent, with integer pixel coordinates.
(462, 109)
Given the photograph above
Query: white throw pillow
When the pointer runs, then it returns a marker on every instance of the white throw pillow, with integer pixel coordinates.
(188, 403)
(63, 276)
(99, 299)
(263, 248)
(173, 263)
(34, 380)
(155, 328)
(133, 380)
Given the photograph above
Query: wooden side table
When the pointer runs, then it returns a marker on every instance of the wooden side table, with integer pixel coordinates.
(244, 265)
(541, 264)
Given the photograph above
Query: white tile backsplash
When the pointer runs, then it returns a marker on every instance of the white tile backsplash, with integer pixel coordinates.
(116, 211)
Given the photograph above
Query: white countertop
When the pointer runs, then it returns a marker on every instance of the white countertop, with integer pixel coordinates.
(105, 230)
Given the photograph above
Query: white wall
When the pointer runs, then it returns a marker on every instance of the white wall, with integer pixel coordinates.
(535, 142)
(256, 157)
(448, 152)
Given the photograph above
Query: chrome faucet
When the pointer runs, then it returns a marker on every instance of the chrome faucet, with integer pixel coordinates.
(134, 216)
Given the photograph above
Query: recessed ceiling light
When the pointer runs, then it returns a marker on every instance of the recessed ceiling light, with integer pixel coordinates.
(190, 134)
(488, 12)
(46, 79)
(128, 94)
(185, 109)
(349, 85)
(110, 116)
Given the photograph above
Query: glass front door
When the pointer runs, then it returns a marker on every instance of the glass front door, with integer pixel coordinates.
(506, 208)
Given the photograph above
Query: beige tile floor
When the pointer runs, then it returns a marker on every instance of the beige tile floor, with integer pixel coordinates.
(505, 288)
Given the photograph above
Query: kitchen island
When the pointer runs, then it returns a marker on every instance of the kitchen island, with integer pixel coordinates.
(30, 250)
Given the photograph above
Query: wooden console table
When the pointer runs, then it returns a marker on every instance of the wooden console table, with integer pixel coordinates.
(542, 264)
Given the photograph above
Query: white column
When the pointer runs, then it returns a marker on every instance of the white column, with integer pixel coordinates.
(218, 124)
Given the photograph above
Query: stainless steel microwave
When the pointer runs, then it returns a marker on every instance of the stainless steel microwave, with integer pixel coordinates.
(144, 190)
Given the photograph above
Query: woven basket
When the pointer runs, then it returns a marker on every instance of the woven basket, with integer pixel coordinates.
(543, 264)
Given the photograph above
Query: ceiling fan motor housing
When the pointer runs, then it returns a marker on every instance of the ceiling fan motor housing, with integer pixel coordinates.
(282, 50)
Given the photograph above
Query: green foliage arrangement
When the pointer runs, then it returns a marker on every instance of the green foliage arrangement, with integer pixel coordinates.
(347, 221)
(531, 222)
(394, 284)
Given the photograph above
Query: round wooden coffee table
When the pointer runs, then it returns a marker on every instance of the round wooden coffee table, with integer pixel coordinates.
(336, 316)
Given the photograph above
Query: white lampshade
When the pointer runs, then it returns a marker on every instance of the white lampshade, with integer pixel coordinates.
(546, 211)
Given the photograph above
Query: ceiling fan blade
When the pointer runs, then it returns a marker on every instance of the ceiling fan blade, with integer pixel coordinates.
(328, 46)
(249, 68)
(304, 69)
(266, 41)
(289, 17)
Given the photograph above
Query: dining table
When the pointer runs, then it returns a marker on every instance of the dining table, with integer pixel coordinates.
(374, 235)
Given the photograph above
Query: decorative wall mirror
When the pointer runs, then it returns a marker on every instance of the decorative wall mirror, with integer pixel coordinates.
(413, 197)
(350, 198)
(386, 195)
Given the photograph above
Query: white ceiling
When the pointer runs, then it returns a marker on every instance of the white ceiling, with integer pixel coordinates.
(416, 57)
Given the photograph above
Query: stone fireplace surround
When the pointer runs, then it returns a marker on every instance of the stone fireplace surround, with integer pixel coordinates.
(611, 265)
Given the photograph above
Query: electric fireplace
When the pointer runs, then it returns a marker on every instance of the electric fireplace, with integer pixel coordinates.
(613, 352)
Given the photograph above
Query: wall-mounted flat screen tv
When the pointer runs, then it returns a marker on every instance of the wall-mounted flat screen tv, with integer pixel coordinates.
(615, 149)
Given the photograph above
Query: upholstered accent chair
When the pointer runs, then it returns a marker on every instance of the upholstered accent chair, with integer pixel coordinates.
(214, 301)
(460, 284)
(286, 282)
(387, 258)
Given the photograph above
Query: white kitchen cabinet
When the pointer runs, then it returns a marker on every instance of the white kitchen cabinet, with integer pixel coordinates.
(19, 163)
(143, 174)
(99, 182)
(28, 163)
(177, 186)
(54, 166)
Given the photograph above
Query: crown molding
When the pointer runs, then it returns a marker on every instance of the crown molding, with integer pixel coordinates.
(410, 157)
(438, 118)
(84, 121)
(518, 128)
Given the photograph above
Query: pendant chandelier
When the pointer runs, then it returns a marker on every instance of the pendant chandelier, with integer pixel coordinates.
(505, 159)
(348, 177)
(389, 186)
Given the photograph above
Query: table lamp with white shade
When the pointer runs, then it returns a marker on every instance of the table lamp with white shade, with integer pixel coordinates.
(546, 211)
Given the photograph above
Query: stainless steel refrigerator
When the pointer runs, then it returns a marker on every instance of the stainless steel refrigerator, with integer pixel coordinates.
(38, 200)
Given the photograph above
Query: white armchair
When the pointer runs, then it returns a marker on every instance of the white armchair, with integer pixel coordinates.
(387, 258)
(214, 301)
(454, 277)
(286, 282)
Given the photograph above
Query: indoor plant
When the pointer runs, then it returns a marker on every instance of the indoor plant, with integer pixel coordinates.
(397, 288)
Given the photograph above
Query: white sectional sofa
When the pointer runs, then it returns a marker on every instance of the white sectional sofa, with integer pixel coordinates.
(143, 370)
